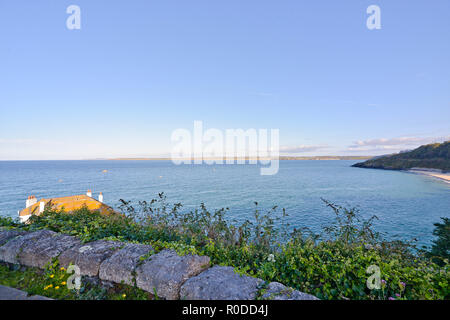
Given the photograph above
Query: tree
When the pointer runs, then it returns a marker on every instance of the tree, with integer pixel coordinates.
(440, 249)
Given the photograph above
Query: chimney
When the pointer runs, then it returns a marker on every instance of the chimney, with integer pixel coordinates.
(100, 197)
(41, 206)
(89, 193)
(30, 201)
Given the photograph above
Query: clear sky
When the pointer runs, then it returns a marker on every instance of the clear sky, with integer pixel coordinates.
(137, 70)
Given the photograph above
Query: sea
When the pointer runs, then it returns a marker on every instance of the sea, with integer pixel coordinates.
(406, 204)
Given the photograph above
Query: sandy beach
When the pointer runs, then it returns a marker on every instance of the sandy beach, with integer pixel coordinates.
(435, 174)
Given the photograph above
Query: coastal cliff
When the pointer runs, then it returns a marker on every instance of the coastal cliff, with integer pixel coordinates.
(431, 156)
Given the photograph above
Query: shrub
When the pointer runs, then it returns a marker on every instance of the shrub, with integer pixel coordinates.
(440, 250)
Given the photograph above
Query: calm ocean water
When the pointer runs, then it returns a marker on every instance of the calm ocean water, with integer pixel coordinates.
(406, 204)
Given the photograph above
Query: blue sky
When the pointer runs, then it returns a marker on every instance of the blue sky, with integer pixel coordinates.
(137, 70)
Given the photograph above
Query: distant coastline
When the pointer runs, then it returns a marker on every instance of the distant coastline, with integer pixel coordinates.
(281, 158)
(429, 158)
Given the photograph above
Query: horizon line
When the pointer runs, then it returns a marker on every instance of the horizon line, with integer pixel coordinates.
(335, 157)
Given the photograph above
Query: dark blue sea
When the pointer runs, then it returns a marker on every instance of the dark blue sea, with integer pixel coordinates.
(406, 204)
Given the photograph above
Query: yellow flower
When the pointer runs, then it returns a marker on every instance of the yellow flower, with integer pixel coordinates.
(50, 286)
(63, 283)
(52, 275)
(124, 295)
(62, 269)
(57, 287)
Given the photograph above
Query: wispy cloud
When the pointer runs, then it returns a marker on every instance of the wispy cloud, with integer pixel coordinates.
(302, 148)
(18, 142)
(394, 144)
(264, 94)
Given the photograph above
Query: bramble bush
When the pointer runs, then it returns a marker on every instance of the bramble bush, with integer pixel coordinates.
(330, 265)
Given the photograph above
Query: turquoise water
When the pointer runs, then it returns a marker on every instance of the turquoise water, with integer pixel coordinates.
(406, 204)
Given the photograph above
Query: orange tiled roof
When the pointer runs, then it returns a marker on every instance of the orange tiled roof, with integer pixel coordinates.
(69, 204)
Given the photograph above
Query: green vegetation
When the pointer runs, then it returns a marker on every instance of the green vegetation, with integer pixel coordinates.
(52, 282)
(441, 246)
(432, 156)
(329, 265)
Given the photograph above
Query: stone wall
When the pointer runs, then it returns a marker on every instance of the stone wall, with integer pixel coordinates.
(168, 274)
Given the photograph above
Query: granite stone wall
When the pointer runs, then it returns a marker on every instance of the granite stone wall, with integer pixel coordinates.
(166, 273)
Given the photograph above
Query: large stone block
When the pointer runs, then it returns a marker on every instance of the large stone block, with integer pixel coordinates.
(10, 251)
(220, 283)
(6, 235)
(41, 251)
(166, 271)
(278, 291)
(122, 264)
(89, 256)
(7, 293)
